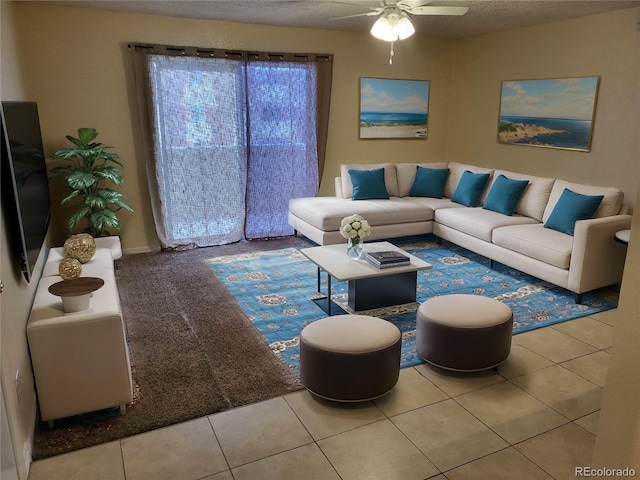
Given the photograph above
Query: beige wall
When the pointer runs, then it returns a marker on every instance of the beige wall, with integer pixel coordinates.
(79, 72)
(603, 45)
(17, 294)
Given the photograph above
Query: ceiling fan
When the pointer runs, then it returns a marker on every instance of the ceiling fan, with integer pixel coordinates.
(414, 7)
(394, 21)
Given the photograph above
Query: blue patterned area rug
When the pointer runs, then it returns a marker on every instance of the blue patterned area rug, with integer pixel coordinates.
(276, 288)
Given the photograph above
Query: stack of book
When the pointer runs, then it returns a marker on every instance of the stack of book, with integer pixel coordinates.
(387, 259)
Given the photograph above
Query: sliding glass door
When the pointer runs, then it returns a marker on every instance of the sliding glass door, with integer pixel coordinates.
(229, 142)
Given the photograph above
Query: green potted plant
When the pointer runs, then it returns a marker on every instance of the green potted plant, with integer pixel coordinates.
(91, 166)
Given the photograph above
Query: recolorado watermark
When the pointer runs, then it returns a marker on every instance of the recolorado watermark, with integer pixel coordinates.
(604, 472)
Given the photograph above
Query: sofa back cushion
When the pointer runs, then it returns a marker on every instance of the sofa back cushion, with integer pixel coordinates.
(406, 173)
(610, 204)
(390, 177)
(455, 174)
(535, 196)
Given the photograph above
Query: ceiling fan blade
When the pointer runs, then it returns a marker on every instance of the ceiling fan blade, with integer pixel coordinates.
(358, 15)
(439, 10)
(409, 4)
(356, 4)
(373, 10)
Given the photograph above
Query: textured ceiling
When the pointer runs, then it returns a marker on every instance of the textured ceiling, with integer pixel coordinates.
(484, 15)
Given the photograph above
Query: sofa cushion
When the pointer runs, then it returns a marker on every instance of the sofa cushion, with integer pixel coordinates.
(390, 177)
(457, 169)
(368, 184)
(101, 261)
(535, 241)
(570, 208)
(610, 205)
(406, 173)
(431, 203)
(104, 299)
(504, 195)
(326, 213)
(535, 196)
(477, 222)
(429, 182)
(470, 188)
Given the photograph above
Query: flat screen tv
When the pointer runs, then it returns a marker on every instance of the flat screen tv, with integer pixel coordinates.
(25, 185)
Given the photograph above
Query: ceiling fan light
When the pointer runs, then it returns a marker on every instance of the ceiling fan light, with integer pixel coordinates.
(383, 29)
(404, 28)
(393, 25)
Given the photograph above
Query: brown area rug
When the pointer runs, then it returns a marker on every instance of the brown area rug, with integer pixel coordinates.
(193, 350)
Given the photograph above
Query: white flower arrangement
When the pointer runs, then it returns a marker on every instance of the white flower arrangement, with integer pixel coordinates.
(355, 227)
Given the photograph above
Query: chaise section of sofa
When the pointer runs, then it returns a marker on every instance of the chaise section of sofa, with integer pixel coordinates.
(318, 218)
(587, 260)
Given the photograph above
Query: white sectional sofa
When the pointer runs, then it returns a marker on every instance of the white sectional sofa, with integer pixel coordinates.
(80, 360)
(587, 260)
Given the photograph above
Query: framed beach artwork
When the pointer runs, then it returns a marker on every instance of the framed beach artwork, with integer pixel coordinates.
(393, 108)
(553, 113)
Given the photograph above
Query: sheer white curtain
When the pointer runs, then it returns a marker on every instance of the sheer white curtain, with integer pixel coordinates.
(228, 142)
(282, 143)
(199, 124)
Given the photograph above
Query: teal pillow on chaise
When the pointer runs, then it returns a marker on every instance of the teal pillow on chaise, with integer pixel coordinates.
(570, 208)
(429, 182)
(504, 195)
(470, 188)
(368, 184)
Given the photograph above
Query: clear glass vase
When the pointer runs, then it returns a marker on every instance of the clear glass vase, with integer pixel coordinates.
(354, 248)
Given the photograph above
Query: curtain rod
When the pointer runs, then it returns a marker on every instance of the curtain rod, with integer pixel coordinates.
(223, 53)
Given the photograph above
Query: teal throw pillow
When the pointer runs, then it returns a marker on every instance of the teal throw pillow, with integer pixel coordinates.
(504, 195)
(470, 188)
(570, 208)
(368, 184)
(429, 182)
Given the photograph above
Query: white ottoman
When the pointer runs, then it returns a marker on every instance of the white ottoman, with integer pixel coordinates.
(350, 358)
(464, 332)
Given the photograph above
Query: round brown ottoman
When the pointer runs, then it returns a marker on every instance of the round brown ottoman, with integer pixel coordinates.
(350, 358)
(464, 332)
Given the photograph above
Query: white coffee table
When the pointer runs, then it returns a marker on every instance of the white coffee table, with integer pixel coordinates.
(369, 287)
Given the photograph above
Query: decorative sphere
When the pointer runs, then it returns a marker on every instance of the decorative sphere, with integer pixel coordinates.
(70, 268)
(81, 246)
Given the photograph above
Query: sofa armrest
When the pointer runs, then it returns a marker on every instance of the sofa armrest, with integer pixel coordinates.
(597, 259)
(337, 183)
(80, 363)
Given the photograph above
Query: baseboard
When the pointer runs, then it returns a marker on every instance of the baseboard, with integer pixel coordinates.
(134, 251)
(27, 447)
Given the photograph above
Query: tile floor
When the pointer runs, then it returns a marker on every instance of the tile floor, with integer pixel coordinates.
(535, 418)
